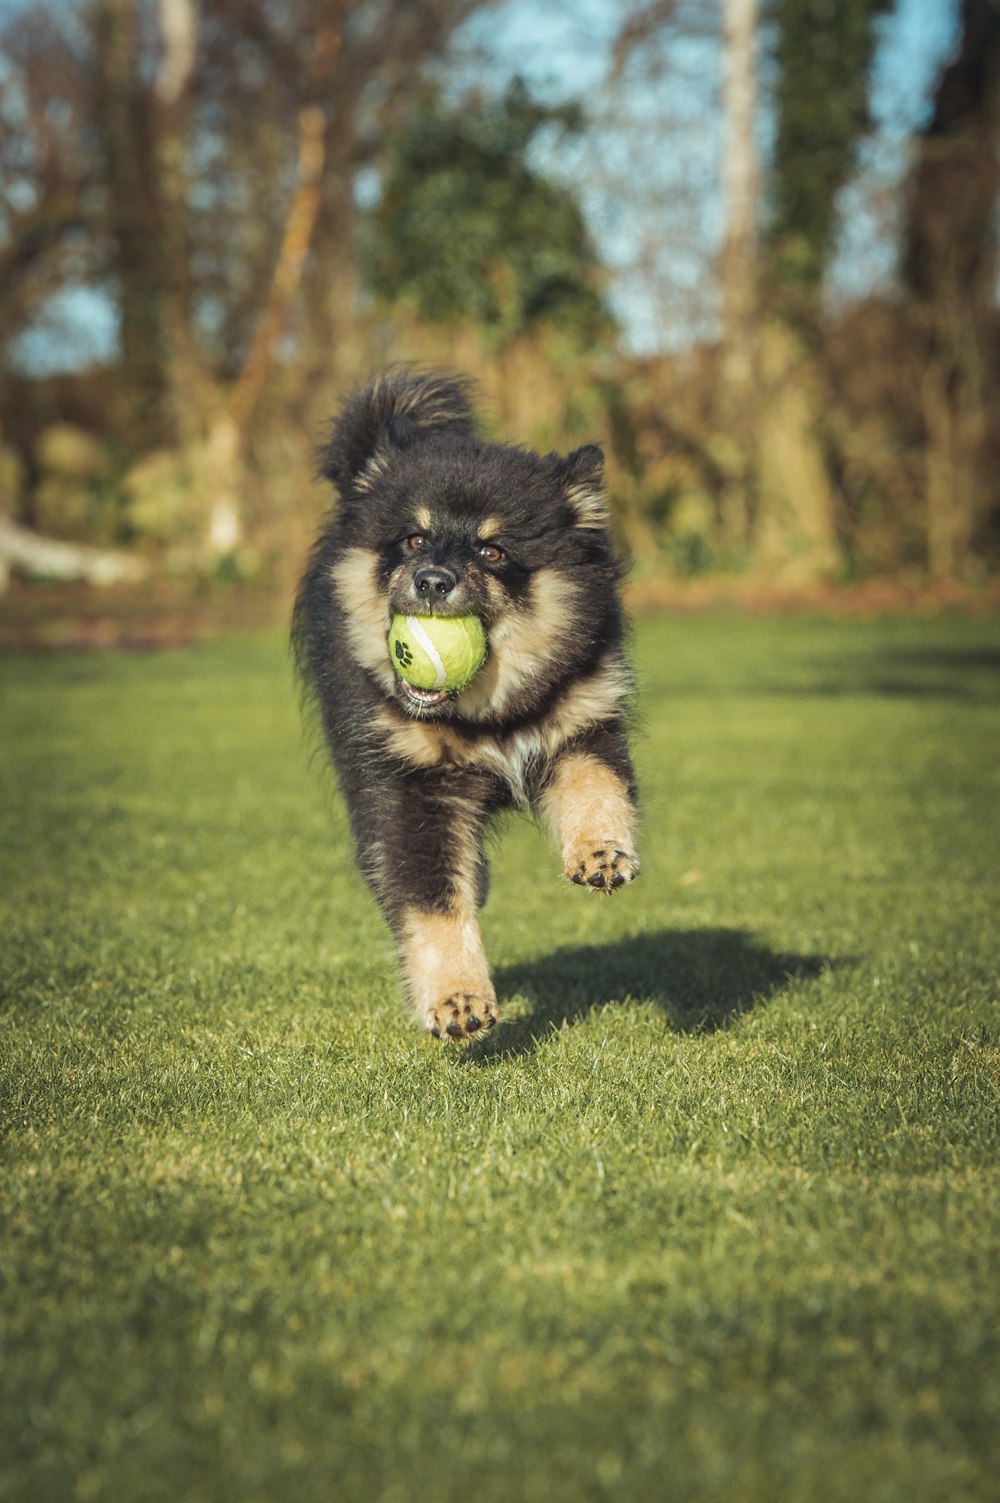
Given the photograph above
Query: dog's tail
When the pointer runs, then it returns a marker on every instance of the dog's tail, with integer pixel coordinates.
(401, 401)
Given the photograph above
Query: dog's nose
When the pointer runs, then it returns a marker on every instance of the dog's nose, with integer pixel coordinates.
(433, 582)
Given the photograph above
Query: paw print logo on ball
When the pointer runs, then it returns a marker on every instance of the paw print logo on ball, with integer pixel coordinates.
(404, 654)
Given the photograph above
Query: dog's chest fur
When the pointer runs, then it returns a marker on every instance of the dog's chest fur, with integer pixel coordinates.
(517, 757)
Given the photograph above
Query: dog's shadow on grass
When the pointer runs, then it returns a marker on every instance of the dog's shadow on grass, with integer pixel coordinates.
(700, 979)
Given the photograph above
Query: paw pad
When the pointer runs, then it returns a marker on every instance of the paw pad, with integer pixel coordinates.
(605, 869)
(462, 1014)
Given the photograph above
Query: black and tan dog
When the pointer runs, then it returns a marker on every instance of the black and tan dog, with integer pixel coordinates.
(433, 519)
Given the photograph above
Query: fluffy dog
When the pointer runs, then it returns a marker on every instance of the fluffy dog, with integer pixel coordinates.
(432, 519)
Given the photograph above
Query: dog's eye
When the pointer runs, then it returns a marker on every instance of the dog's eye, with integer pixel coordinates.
(416, 540)
(491, 553)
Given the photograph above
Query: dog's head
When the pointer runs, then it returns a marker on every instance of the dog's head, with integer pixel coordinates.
(443, 523)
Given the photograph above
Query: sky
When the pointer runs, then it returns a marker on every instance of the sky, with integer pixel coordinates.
(915, 42)
(664, 294)
(649, 173)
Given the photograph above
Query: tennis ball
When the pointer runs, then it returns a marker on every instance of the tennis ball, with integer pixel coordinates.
(437, 652)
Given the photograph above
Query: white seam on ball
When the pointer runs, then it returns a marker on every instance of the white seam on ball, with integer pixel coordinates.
(413, 625)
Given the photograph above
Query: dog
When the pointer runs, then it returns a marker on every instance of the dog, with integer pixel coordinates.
(431, 520)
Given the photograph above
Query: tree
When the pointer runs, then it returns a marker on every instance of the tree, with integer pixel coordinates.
(197, 160)
(741, 181)
(122, 109)
(822, 55)
(949, 268)
(738, 263)
(46, 174)
(467, 228)
(771, 485)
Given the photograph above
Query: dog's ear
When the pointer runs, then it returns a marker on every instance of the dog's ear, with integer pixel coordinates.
(397, 433)
(581, 475)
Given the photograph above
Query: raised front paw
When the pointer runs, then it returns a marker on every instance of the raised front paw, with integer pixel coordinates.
(604, 868)
(462, 1015)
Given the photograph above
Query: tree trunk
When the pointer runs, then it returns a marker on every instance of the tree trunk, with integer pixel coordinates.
(795, 539)
(738, 265)
(224, 451)
(126, 129)
(188, 385)
(950, 267)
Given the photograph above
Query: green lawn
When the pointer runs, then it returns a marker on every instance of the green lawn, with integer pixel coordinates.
(715, 1216)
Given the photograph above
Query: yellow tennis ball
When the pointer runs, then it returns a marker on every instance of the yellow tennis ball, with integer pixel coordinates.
(437, 652)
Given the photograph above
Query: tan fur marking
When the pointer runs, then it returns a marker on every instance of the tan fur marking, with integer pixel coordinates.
(598, 697)
(590, 504)
(423, 520)
(433, 402)
(521, 644)
(486, 529)
(444, 966)
(366, 614)
(589, 810)
(428, 744)
(375, 466)
(418, 743)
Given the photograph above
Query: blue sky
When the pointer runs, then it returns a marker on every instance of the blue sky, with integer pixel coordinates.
(915, 42)
(650, 173)
(671, 197)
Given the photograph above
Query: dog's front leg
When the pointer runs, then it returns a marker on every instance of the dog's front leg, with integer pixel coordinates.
(445, 970)
(432, 880)
(589, 802)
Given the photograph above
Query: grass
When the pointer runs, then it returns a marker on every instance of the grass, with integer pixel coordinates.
(714, 1216)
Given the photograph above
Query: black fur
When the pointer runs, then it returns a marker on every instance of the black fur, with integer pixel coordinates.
(422, 779)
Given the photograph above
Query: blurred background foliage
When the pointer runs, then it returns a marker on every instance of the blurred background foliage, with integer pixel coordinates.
(252, 205)
(468, 231)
